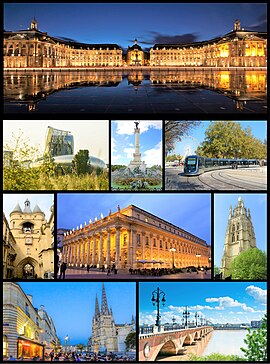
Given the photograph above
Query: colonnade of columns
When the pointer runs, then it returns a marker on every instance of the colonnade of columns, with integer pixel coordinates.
(131, 248)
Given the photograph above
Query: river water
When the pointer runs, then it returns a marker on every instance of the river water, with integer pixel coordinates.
(226, 342)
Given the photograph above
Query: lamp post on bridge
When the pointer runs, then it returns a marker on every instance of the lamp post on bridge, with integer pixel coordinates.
(156, 299)
(186, 316)
(197, 317)
(202, 319)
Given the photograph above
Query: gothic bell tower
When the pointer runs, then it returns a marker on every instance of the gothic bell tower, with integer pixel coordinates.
(239, 236)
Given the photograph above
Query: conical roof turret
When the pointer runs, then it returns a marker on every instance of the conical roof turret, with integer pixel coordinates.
(37, 209)
(17, 208)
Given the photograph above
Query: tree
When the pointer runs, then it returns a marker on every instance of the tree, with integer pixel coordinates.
(256, 341)
(130, 341)
(250, 264)
(80, 347)
(81, 162)
(175, 130)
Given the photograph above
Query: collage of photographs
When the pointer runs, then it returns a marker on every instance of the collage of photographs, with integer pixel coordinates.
(135, 182)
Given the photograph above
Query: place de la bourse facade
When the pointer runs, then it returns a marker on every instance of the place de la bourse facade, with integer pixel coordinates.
(133, 238)
(32, 48)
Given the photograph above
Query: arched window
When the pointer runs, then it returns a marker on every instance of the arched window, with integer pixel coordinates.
(233, 238)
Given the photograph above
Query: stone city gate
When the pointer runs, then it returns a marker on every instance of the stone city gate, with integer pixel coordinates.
(169, 342)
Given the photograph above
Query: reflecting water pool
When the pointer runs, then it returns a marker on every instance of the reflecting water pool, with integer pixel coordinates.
(135, 91)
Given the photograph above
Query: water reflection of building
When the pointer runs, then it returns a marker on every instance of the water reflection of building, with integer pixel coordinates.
(30, 238)
(133, 238)
(27, 331)
(33, 48)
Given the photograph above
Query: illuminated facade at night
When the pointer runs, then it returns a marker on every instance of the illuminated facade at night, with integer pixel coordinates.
(27, 332)
(32, 48)
(133, 238)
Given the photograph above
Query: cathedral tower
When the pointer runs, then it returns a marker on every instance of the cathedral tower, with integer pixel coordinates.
(239, 236)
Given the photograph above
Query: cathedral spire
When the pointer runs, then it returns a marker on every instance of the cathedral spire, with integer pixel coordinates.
(104, 304)
(96, 307)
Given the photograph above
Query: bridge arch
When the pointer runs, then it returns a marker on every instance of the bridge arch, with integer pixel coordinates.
(168, 348)
(187, 340)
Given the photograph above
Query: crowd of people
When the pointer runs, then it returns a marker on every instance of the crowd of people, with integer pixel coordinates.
(166, 271)
(74, 356)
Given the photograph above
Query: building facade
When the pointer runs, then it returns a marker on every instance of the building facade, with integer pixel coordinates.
(107, 336)
(9, 250)
(32, 48)
(32, 237)
(133, 238)
(239, 236)
(27, 331)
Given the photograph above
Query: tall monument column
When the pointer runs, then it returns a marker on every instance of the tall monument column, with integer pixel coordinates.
(137, 162)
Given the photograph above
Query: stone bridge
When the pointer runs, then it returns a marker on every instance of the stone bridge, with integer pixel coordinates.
(169, 342)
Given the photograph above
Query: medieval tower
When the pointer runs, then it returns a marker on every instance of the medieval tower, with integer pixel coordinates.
(239, 236)
(106, 335)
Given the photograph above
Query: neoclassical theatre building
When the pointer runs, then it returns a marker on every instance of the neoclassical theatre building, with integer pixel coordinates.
(133, 238)
(32, 48)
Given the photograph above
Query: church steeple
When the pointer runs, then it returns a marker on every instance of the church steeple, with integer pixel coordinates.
(97, 308)
(104, 304)
(34, 24)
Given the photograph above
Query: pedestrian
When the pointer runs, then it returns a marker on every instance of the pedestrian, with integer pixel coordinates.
(88, 268)
(63, 270)
(109, 270)
(52, 355)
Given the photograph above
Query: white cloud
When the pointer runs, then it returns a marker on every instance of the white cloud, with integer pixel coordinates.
(127, 126)
(257, 293)
(153, 156)
(113, 145)
(229, 302)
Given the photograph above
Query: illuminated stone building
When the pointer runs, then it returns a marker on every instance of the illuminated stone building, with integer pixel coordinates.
(9, 250)
(239, 236)
(106, 334)
(238, 48)
(133, 238)
(27, 331)
(35, 49)
(135, 55)
(33, 242)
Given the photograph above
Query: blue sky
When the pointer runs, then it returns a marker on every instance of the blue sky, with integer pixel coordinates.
(197, 135)
(72, 305)
(44, 201)
(233, 302)
(257, 205)
(121, 23)
(123, 142)
(190, 212)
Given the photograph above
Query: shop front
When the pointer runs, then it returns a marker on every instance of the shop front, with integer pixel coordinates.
(28, 349)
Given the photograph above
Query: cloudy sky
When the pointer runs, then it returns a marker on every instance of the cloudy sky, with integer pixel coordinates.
(232, 302)
(85, 134)
(150, 23)
(123, 141)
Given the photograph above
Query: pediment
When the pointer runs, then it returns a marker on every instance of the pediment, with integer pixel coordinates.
(18, 37)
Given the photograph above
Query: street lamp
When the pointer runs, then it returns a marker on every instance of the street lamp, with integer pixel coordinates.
(156, 299)
(196, 317)
(186, 316)
(198, 256)
(173, 250)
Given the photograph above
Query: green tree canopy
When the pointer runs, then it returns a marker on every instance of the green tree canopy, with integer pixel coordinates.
(256, 341)
(131, 341)
(227, 139)
(81, 162)
(175, 130)
(250, 264)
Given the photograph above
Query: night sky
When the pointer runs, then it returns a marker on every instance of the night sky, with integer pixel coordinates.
(149, 23)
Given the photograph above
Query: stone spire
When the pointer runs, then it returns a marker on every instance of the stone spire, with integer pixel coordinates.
(104, 304)
(97, 308)
(17, 208)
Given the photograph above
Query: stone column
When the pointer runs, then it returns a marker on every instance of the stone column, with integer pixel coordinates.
(83, 251)
(100, 255)
(134, 247)
(151, 248)
(117, 255)
(143, 245)
(94, 250)
(129, 245)
(88, 250)
(108, 252)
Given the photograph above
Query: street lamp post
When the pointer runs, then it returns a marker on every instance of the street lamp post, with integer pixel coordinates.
(198, 256)
(173, 250)
(186, 316)
(196, 317)
(156, 299)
